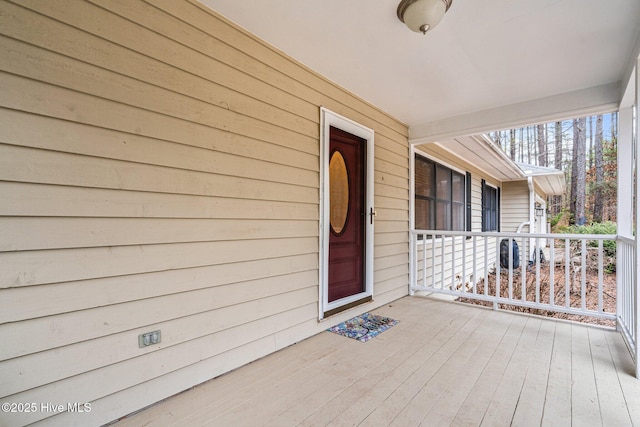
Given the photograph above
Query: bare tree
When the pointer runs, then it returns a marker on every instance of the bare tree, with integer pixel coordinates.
(557, 161)
(497, 139)
(542, 146)
(528, 144)
(521, 143)
(578, 172)
(590, 150)
(512, 144)
(598, 206)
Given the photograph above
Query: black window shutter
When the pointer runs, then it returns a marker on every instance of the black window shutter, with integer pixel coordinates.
(468, 190)
(483, 185)
(498, 209)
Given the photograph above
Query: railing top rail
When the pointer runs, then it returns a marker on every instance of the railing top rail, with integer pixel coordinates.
(440, 233)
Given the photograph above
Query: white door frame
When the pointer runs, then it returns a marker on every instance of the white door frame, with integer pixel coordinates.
(328, 119)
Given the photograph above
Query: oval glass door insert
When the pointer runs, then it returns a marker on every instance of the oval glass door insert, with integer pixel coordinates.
(338, 192)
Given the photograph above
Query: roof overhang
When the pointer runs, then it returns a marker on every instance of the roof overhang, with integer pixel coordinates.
(551, 181)
(483, 154)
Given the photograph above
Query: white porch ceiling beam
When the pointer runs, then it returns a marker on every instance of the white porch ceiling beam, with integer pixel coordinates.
(628, 76)
(595, 100)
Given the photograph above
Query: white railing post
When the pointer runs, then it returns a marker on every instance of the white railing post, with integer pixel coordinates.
(413, 249)
(567, 273)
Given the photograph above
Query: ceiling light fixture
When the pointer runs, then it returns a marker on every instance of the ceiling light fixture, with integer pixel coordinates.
(422, 15)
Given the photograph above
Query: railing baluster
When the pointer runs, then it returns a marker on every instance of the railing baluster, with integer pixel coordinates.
(552, 265)
(442, 261)
(424, 260)
(486, 265)
(498, 278)
(415, 265)
(583, 288)
(567, 272)
(536, 257)
(511, 268)
(453, 262)
(433, 261)
(523, 271)
(474, 256)
(464, 264)
(600, 276)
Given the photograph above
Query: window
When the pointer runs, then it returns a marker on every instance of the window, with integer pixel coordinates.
(490, 208)
(440, 197)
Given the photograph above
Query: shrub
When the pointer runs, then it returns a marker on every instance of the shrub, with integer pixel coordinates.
(555, 219)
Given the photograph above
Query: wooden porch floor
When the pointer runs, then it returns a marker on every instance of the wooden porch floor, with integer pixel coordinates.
(443, 364)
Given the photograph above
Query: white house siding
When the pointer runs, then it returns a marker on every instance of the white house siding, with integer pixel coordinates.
(159, 169)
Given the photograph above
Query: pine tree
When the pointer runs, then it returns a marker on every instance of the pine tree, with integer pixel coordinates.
(578, 172)
(512, 144)
(598, 206)
(542, 146)
(557, 163)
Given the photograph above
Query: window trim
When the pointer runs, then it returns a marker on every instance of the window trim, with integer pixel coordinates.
(467, 187)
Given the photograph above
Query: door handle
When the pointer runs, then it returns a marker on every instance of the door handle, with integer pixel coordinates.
(372, 213)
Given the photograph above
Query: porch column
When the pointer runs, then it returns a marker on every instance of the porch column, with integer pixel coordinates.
(628, 160)
(626, 156)
(636, 148)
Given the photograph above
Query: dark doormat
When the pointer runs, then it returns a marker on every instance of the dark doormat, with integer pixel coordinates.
(363, 327)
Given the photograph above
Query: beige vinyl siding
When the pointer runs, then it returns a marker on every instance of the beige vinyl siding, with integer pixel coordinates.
(159, 169)
(515, 206)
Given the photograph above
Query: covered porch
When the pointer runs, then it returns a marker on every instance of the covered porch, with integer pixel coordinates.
(163, 175)
(443, 363)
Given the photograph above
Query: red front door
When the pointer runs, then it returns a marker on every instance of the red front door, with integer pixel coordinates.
(347, 214)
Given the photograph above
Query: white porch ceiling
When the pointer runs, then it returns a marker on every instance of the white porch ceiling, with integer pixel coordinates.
(489, 64)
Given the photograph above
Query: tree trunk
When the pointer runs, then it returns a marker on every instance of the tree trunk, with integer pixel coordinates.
(528, 145)
(521, 145)
(542, 146)
(578, 172)
(574, 176)
(590, 150)
(557, 163)
(598, 206)
(512, 144)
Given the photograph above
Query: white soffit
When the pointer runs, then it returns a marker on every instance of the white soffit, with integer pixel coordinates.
(551, 181)
(488, 65)
(481, 153)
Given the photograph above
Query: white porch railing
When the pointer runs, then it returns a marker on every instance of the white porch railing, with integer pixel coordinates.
(467, 264)
(628, 298)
